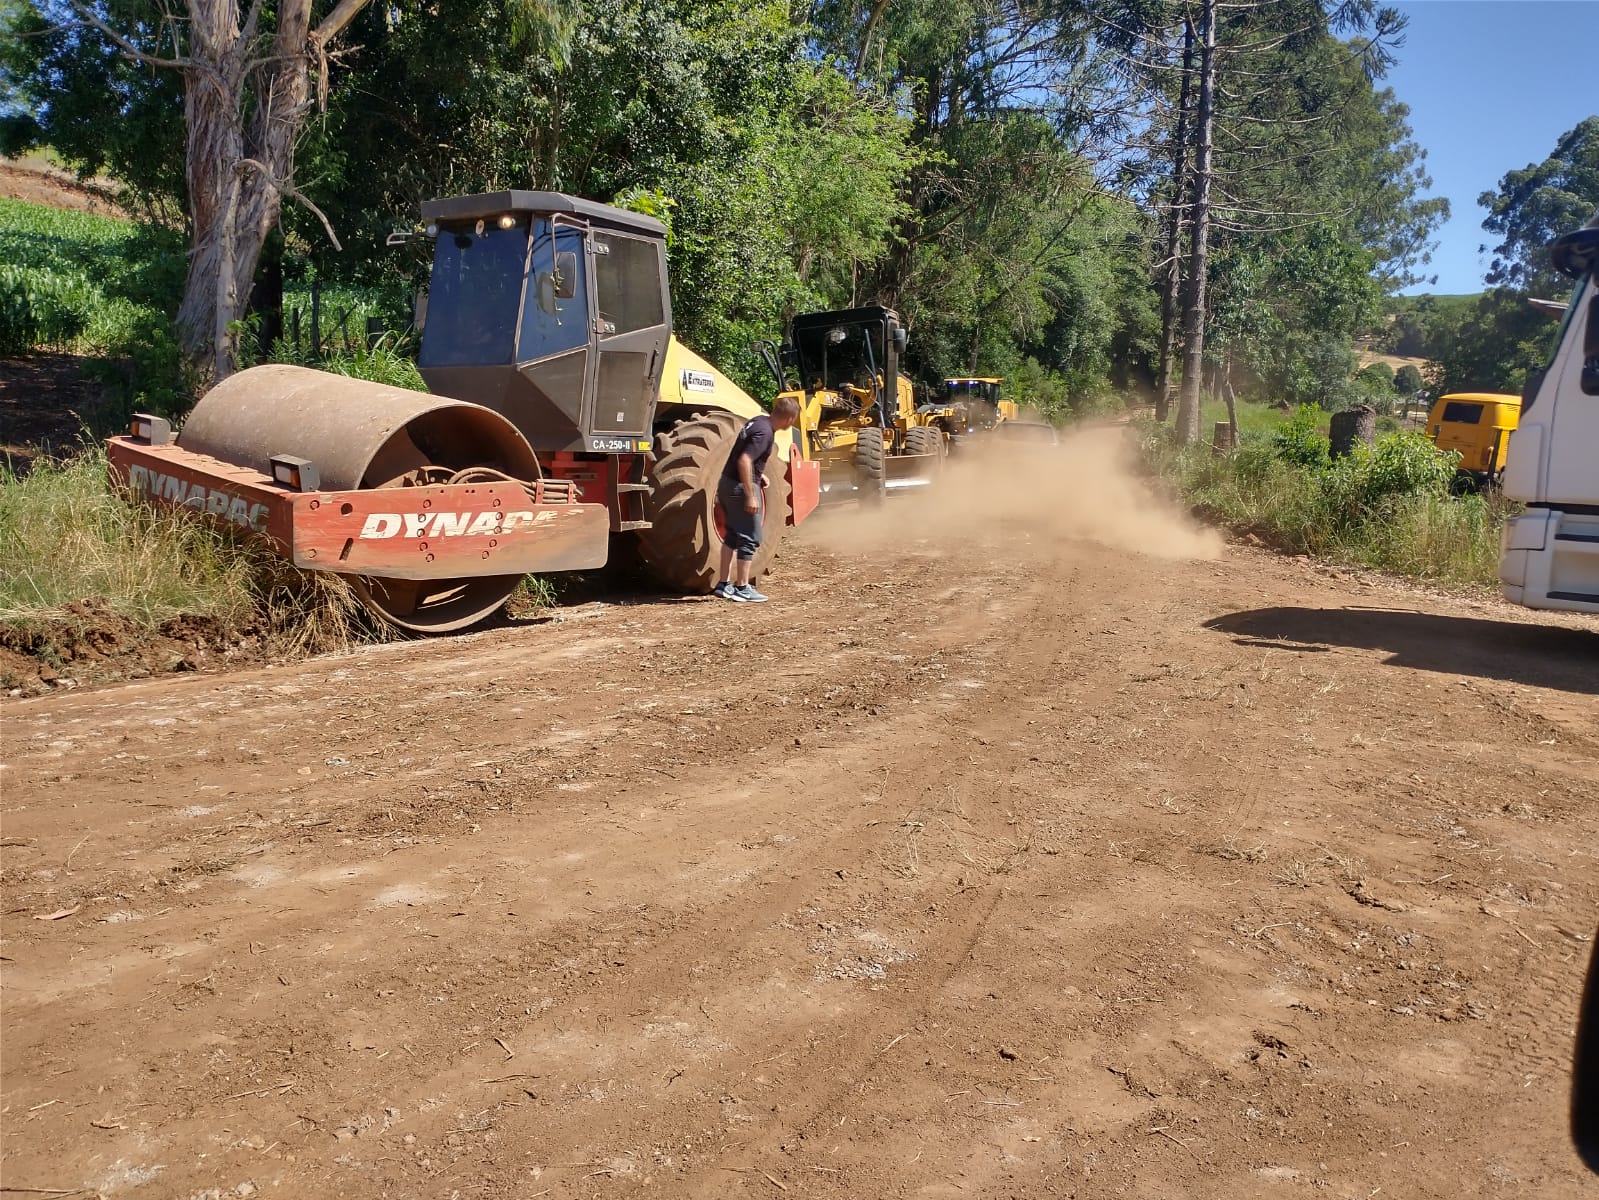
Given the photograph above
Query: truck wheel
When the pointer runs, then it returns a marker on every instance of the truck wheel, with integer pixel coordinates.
(869, 469)
(683, 544)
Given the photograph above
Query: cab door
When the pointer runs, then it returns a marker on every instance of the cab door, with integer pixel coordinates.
(632, 321)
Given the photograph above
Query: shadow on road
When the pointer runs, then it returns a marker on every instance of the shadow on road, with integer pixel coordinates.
(1539, 655)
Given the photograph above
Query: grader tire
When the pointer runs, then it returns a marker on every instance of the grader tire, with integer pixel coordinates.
(683, 544)
(870, 471)
(924, 439)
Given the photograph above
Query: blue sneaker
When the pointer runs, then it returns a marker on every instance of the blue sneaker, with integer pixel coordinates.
(749, 595)
(726, 591)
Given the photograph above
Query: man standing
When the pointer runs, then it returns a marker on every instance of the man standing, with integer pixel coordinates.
(742, 497)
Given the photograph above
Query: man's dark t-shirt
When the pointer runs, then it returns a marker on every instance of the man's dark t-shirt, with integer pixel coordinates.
(755, 439)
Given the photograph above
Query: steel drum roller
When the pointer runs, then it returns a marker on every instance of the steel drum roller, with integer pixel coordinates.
(364, 435)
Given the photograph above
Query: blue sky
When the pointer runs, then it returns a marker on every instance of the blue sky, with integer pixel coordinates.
(1491, 85)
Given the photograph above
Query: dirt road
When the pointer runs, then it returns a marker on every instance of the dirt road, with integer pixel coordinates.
(990, 866)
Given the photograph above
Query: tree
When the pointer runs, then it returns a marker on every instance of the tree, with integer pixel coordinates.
(1301, 145)
(1407, 380)
(64, 86)
(1537, 204)
(247, 92)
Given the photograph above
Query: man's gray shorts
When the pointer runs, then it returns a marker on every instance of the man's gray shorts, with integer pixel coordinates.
(743, 528)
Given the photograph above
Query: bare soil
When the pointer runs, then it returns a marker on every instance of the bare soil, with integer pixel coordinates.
(91, 643)
(37, 182)
(998, 865)
(48, 406)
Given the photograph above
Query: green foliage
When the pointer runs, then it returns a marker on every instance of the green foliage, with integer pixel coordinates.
(1491, 343)
(40, 308)
(65, 536)
(1357, 486)
(97, 286)
(1386, 506)
(62, 85)
(1493, 346)
(1537, 204)
(385, 362)
(1376, 378)
(1407, 380)
(1299, 440)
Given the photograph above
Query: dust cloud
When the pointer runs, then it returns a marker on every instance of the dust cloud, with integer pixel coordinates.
(1083, 489)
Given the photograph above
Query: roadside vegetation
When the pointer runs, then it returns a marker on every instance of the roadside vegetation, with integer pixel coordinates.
(66, 537)
(1391, 505)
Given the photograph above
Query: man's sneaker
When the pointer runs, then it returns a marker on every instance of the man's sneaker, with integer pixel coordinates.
(748, 594)
(726, 591)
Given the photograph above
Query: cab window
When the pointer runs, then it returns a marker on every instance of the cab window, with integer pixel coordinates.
(627, 284)
(555, 317)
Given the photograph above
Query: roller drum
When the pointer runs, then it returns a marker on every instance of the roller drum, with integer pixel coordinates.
(363, 435)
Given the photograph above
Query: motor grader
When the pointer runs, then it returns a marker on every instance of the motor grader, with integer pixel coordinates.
(565, 422)
(968, 406)
(858, 420)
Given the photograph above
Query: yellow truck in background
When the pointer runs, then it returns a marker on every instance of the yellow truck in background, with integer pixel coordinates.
(1477, 425)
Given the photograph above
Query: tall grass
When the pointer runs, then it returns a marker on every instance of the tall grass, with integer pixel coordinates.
(65, 536)
(1388, 506)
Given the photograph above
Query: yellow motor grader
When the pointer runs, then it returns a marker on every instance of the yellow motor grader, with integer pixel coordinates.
(969, 406)
(567, 420)
(858, 418)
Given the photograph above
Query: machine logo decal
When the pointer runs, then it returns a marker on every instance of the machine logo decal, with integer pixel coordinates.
(451, 524)
(216, 501)
(698, 381)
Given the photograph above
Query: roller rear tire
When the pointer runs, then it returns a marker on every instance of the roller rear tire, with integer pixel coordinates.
(683, 545)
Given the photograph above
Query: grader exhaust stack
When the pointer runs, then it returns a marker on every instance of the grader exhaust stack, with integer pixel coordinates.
(549, 320)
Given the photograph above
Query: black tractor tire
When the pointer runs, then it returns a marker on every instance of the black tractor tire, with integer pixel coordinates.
(924, 439)
(681, 548)
(870, 470)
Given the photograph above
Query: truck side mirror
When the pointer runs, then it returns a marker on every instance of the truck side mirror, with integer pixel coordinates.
(901, 339)
(1590, 349)
(565, 274)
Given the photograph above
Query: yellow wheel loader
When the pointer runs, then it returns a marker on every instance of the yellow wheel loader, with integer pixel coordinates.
(567, 419)
(858, 418)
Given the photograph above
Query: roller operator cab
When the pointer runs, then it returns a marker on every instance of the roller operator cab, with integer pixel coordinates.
(551, 310)
(1550, 554)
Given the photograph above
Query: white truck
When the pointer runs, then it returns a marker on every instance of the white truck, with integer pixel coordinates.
(1549, 555)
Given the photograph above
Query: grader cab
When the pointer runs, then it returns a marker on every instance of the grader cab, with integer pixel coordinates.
(968, 406)
(858, 417)
(547, 336)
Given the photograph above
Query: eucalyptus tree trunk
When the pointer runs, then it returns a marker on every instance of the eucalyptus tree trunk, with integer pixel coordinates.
(246, 94)
(245, 101)
(1199, 234)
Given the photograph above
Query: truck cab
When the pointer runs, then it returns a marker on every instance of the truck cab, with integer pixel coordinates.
(1549, 555)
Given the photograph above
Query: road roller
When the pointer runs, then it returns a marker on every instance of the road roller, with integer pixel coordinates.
(564, 425)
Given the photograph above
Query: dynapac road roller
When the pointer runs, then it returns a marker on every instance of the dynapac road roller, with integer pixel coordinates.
(566, 421)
